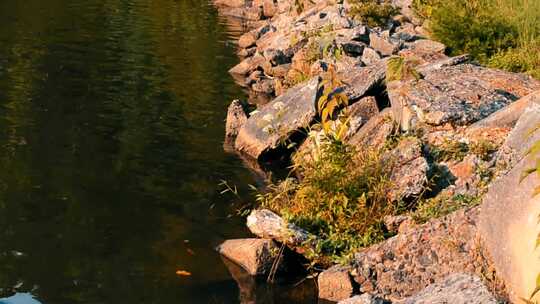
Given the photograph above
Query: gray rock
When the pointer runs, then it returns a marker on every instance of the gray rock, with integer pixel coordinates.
(370, 56)
(353, 48)
(365, 298)
(276, 57)
(248, 39)
(277, 120)
(248, 65)
(385, 45)
(266, 224)
(236, 118)
(375, 132)
(360, 80)
(410, 169)
(335, 284)
(264, 86)
(254, 255)
(508, 219)
(360, 113)
(509, 115)
(455, 289)
(460, 94)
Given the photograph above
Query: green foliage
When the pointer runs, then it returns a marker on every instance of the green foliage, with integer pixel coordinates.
(500, 33)
(373, 13)
(442, 205)
(342, 198)
(456, 150)
(399, 68)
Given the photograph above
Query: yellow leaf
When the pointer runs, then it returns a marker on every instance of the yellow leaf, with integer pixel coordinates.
(183, 273)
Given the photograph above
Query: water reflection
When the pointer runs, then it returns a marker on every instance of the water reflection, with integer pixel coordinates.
(19, 298)
(111, 129)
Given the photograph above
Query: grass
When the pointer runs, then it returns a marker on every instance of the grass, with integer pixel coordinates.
(341, 198)
(453, 150)
(372, 13)
(502, 34)
(442, 205)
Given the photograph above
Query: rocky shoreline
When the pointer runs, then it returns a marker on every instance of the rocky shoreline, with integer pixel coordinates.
(467, 126)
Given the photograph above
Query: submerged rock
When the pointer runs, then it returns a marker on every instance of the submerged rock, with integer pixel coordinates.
(256, 256)
(236, 118)
(274, 122)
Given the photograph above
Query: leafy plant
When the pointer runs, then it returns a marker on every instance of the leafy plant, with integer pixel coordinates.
(330, 102)
(372, 13)
(399, 68)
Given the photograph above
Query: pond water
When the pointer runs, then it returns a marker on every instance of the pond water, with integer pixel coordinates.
(111, 129)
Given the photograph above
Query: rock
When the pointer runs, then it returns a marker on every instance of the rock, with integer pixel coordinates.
(403, 265)
(456, 289)
(361, 80)
(406, 32)
(266, 224)
(281, 70)
(430, 67)
(243, 53)
(428, 46)
(353, 48)
(509, 115)
(370, 56)
(365, 298)
(374, 133)
(236, 118)
(392, 222)
(460, 95)
(253, 13)
(410, 169)
(276, 57)
(335, 284)
(465, 173)
(385, 45)
(264, 86)
(248, 65)
(424, 51)
(360, 113)
(230, 3)
(247, 40)
(509, 216)
(269, 8)
(277, 120)
(256, 256)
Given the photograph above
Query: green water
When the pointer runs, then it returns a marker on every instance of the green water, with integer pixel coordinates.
(111, 128)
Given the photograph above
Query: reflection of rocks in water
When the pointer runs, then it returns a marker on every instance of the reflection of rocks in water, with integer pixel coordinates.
(255, 290)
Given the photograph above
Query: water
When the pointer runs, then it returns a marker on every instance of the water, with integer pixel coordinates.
(111, 127)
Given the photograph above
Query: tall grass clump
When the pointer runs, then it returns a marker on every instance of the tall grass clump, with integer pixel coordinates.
(341, 197)
(500, 33)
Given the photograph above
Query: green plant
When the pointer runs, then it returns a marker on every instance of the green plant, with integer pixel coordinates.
(399, 68)
(450, 150)
(372, 13)
(500, 33)
(442, 205)
(342, 199)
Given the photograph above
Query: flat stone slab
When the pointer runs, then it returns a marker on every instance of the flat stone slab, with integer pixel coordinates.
(273, 123)
(459, 94)
(455, 289)
(510, 211)
(335, 284)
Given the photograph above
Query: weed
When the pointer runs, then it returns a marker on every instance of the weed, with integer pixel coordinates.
(442, 205)
(372, 13)
(399, 68)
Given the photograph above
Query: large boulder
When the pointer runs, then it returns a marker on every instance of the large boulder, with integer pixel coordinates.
(510, 210)
(460, 95)
(375, 132)
(256, 256)
(458, 288)
(274, 122)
